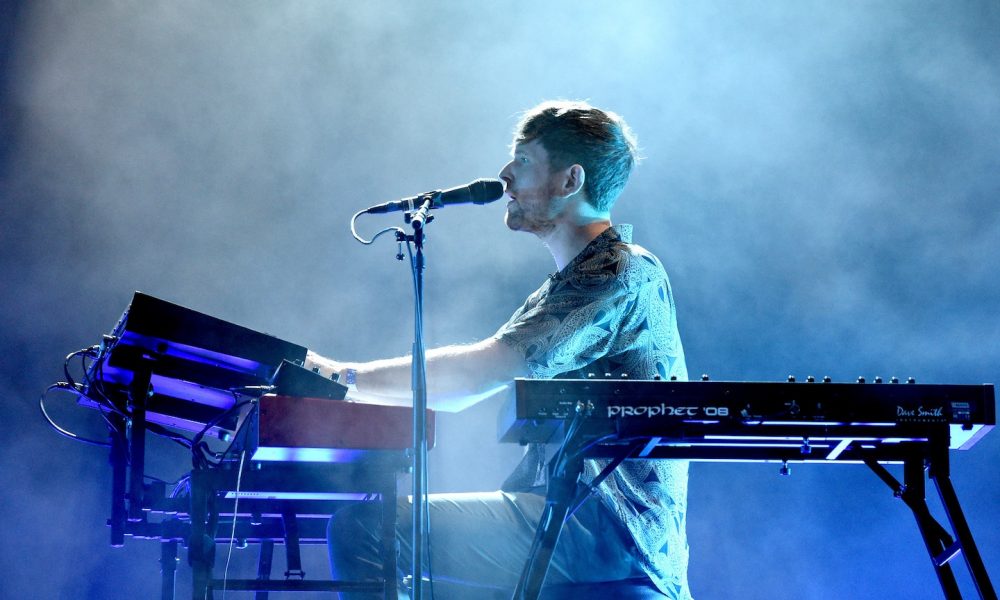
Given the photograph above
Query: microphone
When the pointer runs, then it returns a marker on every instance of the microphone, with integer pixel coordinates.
(480, 191)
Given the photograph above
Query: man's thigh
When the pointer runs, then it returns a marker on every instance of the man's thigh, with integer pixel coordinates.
(486, 538)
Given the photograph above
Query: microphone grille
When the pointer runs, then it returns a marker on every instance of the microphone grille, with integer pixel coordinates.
(486, 190)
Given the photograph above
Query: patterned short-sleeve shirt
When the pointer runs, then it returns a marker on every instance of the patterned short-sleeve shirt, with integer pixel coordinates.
(611, 310)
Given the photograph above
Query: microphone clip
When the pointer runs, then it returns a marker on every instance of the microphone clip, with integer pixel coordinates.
(422, 215)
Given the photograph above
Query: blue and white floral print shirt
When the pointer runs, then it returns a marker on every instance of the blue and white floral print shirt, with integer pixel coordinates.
(611, 310)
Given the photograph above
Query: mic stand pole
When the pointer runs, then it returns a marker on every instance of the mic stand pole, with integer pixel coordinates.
(418, 219)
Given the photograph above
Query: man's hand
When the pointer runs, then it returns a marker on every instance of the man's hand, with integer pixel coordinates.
(326, 367)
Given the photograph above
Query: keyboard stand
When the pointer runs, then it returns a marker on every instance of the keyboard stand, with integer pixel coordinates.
(564, 495)
(264, 517)
(932, 457)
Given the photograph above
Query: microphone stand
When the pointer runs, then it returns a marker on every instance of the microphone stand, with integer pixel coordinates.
(418, 219)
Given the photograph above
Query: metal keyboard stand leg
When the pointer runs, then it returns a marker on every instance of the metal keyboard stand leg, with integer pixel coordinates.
(168, 568)
(293, 553)
(939, 543)
(940, 472)
(561, 492)
(264, 566)
(201, 544)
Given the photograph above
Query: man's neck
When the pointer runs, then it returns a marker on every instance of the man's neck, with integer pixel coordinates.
(567, 240)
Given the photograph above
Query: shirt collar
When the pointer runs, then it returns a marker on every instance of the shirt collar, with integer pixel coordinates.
(614, 234)
(624, 232)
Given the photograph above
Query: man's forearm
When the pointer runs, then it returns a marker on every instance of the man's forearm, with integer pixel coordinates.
(457, 376)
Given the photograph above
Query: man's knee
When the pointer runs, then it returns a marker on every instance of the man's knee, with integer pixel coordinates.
(352, 535)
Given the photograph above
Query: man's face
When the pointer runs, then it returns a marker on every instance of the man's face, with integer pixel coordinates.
(533, 188)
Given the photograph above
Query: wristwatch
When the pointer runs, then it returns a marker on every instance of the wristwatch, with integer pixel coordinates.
(350, 380)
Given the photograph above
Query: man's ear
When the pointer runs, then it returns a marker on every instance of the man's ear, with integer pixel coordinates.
(573, 181)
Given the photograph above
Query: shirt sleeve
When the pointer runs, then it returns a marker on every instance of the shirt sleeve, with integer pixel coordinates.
(569, 323)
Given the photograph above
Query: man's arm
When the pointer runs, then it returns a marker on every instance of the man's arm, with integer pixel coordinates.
(457, 376)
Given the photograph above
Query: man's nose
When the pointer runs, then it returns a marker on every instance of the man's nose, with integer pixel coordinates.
(505, 173)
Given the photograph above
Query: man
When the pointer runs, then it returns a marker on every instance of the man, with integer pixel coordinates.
(608, 309)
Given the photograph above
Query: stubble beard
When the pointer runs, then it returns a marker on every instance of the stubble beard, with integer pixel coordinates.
(517, 220)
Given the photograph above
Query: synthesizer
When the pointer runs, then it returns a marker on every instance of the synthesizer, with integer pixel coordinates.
(307, 430)
(733, 421)
(196, 365)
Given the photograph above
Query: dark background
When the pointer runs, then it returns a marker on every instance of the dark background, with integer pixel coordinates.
(821, 181)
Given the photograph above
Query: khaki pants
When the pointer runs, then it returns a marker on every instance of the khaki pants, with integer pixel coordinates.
(479, 543)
